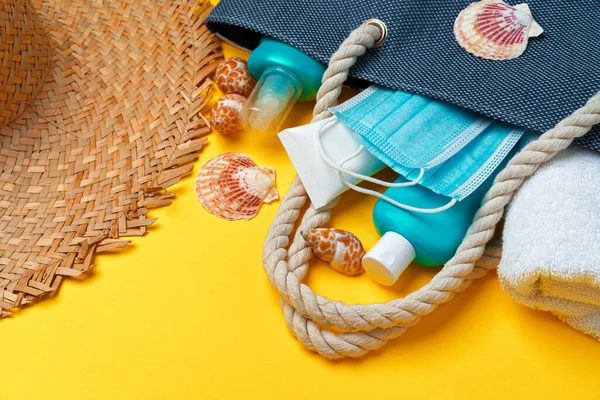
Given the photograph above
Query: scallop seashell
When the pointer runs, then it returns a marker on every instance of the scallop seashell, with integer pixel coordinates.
(232, 76)
(231, 186)
(340, 248)
(225, 115)
(493, 30)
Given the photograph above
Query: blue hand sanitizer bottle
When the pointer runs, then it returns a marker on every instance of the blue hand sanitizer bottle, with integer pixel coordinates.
(285, 75)
(427, 239)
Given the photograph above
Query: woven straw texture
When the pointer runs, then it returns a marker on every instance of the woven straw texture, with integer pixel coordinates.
(115, 124)
(24, 58)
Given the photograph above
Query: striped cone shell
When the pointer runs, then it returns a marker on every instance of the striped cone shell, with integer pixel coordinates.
(231, 186)
(342, 249)
(493, 30)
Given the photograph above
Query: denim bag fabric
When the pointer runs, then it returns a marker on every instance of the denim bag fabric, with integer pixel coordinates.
(557, 74)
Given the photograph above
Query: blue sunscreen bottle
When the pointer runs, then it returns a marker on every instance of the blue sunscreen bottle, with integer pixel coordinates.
(285, 75)
(427, 239)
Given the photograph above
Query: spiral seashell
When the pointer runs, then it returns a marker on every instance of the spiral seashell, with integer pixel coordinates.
(493, 30)
(232, 76)
(231, 186)
(342, 249)
(225, 115)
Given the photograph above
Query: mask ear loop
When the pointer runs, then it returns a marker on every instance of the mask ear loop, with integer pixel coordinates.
(393, 202)
(342, 171)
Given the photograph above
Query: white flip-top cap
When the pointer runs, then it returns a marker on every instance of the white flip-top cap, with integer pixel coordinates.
(389, 258)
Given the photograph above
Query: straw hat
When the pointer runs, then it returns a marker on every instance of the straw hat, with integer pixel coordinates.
(99, 103)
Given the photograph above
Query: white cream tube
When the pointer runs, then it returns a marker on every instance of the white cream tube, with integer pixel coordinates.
(322, 182)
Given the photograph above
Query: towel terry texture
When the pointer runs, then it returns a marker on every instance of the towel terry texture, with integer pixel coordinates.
(551, 250)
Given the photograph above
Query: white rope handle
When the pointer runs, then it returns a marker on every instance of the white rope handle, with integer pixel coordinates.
(368, 327)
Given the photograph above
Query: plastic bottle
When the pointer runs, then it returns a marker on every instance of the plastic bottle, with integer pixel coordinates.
(285, 75)
(323, 183)
(427, 239)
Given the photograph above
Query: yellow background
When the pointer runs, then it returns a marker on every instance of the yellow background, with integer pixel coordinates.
(188, 313)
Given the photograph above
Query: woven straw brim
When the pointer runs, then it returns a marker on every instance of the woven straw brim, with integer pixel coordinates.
(116, 123)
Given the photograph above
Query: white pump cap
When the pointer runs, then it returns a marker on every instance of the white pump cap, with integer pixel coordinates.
(390, 256)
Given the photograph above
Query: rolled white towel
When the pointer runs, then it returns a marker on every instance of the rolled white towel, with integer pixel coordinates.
(551, 242)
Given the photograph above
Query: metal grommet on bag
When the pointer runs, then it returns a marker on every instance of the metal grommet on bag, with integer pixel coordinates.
(382, 28)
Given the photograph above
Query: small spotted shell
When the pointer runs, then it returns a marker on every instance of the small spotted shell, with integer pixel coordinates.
(494, 30)
(225, 115)
(340, 248)
(229, 64)
(232, 76)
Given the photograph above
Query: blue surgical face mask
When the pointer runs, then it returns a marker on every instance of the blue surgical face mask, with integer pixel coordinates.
(461, 174)
(448, 149)
(408, 129)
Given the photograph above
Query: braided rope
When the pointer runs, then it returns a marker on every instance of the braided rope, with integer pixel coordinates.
(368, 327)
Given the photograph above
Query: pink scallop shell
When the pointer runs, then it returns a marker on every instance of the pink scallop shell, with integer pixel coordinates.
(342, 249)
(493, 30)
(231, 186)
(225, 115)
